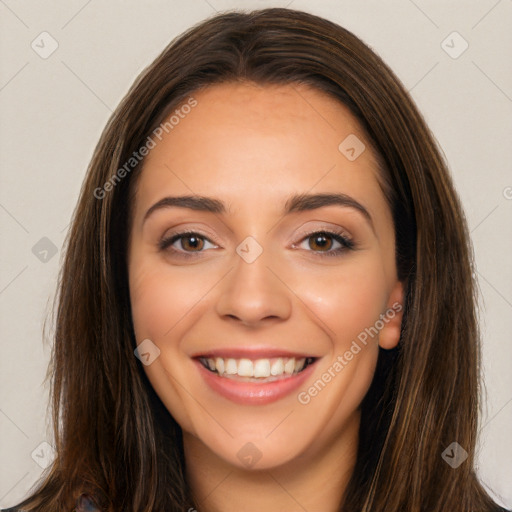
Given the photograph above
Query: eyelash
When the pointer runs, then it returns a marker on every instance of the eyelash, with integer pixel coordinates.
(345, 242)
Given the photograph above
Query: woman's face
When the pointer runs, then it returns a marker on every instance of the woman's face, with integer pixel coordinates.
(291, 262)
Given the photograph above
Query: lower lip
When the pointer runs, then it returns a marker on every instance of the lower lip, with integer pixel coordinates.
(254, 393)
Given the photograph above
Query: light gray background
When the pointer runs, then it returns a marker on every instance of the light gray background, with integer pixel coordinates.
(54, 109)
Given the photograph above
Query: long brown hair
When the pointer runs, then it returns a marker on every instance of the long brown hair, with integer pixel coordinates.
(115, 439)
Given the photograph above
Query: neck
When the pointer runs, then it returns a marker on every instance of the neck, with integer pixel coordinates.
(315, 480)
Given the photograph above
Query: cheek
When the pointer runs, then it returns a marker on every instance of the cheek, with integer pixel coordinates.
(150, 298)
(348, 299)
(161, 298)
(163, 303)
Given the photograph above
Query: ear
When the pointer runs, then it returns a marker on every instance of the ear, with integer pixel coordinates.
(389, 335)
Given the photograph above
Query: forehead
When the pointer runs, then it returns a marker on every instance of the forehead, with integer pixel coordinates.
(244, 142)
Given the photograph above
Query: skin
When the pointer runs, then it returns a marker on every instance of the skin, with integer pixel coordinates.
(252, 147)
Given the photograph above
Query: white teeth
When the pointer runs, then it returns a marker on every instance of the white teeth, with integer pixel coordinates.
(245, 368)
(277, 367)
(289, 367)
(299, 364)
(219, 364)
(231, 367)
(261, 368)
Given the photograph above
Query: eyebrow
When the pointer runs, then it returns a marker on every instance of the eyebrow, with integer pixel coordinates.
(296, 203)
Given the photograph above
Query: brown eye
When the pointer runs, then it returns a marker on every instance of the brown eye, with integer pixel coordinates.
(185, 243)
(320, 242)
(191, 243)
(325, 243)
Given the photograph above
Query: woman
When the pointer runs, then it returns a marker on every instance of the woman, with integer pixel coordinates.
(267, 298)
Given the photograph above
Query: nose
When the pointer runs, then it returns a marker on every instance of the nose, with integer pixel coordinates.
(253, 294)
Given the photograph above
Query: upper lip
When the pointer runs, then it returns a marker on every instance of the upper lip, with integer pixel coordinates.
(251, 353)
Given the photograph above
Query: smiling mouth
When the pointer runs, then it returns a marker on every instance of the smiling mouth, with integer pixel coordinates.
(258, 370)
